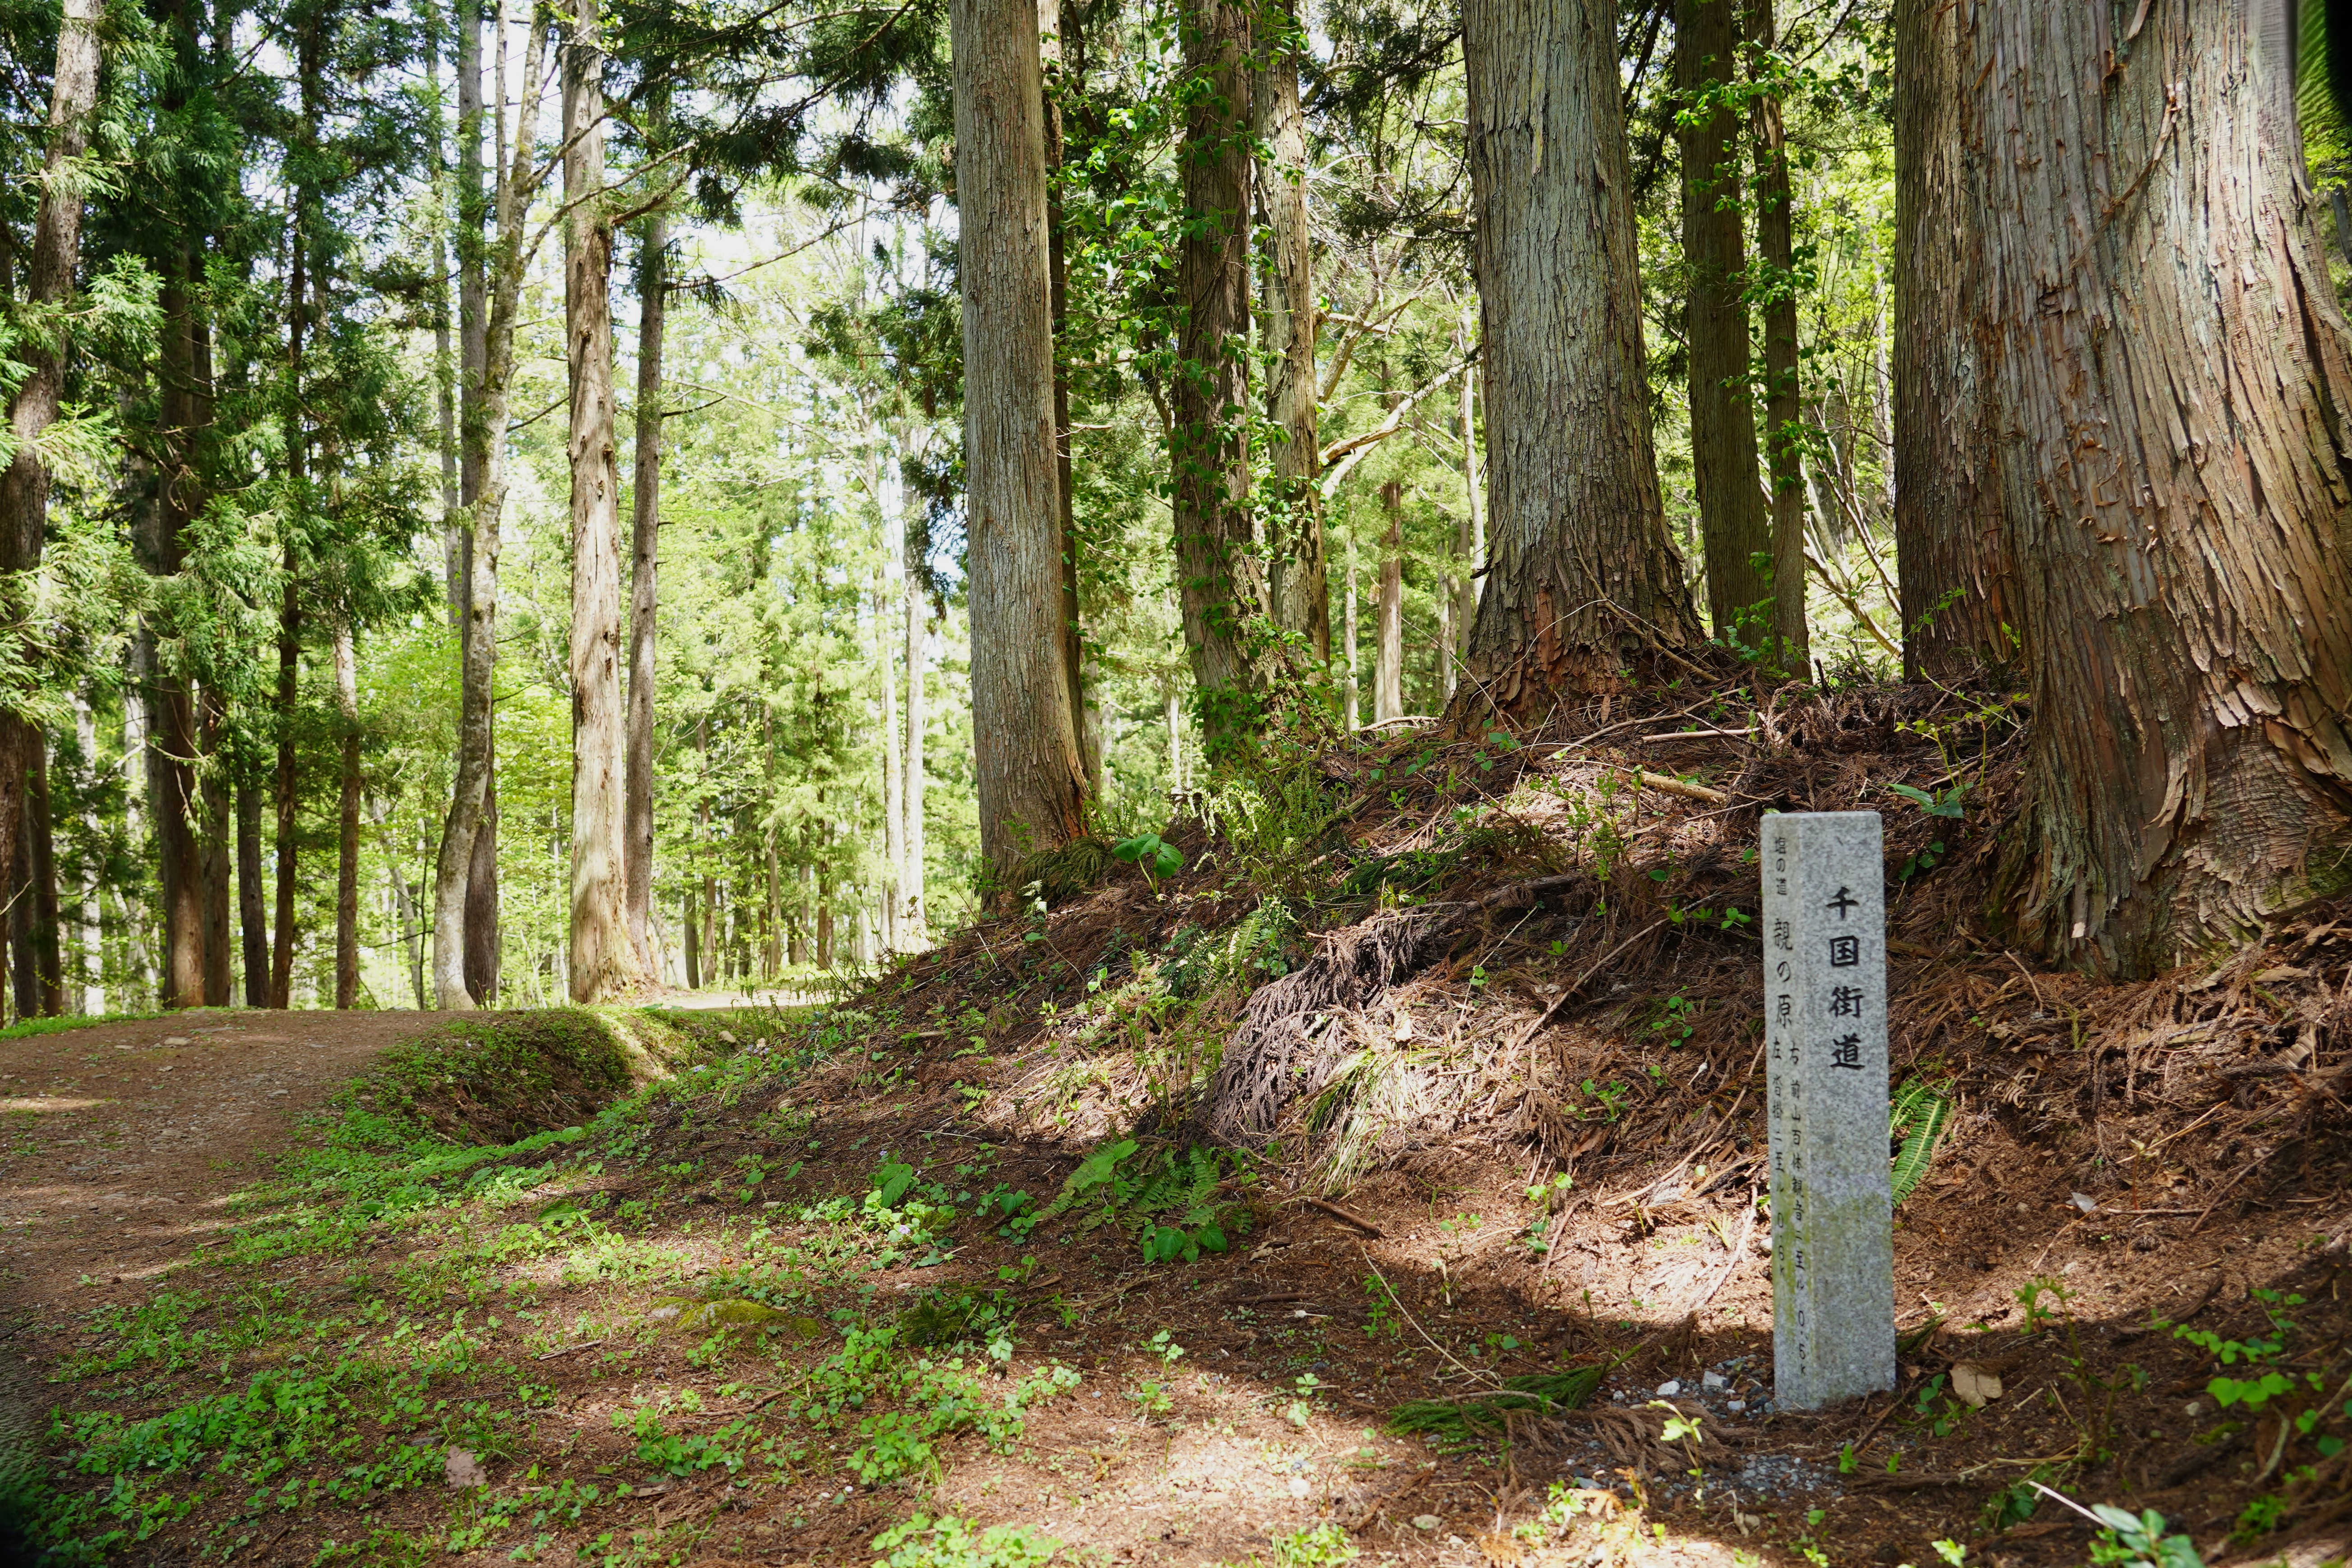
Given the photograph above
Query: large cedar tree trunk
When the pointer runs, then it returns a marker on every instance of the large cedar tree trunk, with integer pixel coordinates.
(1733, 527)
(465, 887)
(1950, 556)
(1223, 588)
(644, 588)
(48, 286)
(1582, 577)
(252, 908)
(2171, 364)
(1297, 583)
(42, 928)
(1783, 426)
(604, 964)
(1030, 773)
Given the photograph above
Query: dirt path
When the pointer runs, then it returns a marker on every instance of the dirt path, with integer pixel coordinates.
(121, 1145)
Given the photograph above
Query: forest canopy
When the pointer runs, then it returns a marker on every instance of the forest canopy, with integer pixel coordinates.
(506, 504)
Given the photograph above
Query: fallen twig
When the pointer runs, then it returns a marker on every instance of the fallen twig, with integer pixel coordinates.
(1336, 1211)
(1546, 1016)
(586, 1345)
(1688, 790)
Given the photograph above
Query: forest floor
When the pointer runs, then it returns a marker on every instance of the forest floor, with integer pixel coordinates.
(947, 1275)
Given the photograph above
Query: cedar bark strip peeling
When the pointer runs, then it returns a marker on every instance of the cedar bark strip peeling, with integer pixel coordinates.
(2171, 365)
(1582, 577)
(1029, 777)
(605, 963)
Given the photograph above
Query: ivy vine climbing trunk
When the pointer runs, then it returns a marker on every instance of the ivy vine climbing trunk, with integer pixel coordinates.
(1222, 583)
(1029, 772)
(1733, 522)
(1297, 586)
(2171, 367)
(1582, 579)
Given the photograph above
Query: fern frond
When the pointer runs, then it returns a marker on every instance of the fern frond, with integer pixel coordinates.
(1920, 1116)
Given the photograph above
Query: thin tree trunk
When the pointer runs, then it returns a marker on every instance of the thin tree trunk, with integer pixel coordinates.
(1349, 688)
(462, 882)
(445, 363)
(1298, 586)
(309, 51)
(172, 748)
(1784, 436)
(89, 934)
(1175, 743)
(771, 921)
(1222, 585)
(1030, 775)
(412, 917)
(893, 811)
(252, 908)
(2171, 366)
(347, 859)
(41, 881)
(481, 936)
(1388, 654)
(1733, 522)
(653, 292)
(215, 856)
(1584, 579)
(1472, 540)
(142, 781)
(915, 926)
(1951, 556)
(24, 979)
(289, 655)
(1060, 35)
(49, 282)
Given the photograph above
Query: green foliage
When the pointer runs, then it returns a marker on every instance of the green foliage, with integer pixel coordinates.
(1317, 1546)
(1484, 1415)
(1170, 1199)
(2140, 1540)
(1918, 1117)
(1150, 855)
(950, 1542)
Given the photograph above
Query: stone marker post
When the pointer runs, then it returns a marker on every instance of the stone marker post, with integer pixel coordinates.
(1825, 1033)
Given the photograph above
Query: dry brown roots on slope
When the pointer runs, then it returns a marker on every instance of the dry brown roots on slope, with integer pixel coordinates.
(1550, 948)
